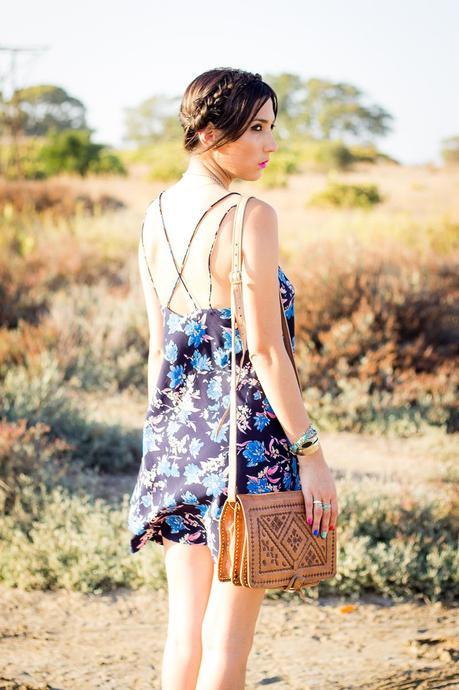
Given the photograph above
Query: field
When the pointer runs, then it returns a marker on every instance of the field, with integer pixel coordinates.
(377, 327)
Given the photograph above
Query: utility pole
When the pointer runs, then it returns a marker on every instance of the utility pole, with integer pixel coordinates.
(11, 111)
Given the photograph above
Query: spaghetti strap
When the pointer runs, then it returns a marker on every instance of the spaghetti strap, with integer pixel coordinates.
(146, 261)
(180, 271)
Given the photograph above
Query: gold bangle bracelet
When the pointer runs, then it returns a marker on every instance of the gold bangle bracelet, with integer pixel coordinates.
(310, 450)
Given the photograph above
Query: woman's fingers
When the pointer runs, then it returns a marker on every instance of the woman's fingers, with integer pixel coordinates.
(325, 518)
(308, 507)
(321, 519)
(333, 513)
(317, 514)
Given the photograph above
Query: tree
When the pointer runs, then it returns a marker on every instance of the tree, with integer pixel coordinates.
(35, 110)
(323, 109)
(290, 91)
(334, 109)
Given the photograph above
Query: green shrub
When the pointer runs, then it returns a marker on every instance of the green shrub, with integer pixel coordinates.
(42, 396)
(324, 155)
(398, 547)
(28, 450)
(72, 151)
(72, 542)
(107, 163)
(402, 547)
(337, 194)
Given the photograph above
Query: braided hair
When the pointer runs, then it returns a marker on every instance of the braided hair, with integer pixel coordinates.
(227, 98)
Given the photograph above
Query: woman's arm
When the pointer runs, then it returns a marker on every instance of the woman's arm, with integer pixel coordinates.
(155, 320)
(260, 293)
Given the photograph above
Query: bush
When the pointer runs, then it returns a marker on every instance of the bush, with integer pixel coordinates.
(28, 450)
(72, 542)
(398, 547)
(337, 194)
(22, 201)
(324, 155)
(401, 548)
(41, 396)
(72, 151)
(371, 354)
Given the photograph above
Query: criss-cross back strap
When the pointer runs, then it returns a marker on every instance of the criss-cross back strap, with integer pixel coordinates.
(180, 270)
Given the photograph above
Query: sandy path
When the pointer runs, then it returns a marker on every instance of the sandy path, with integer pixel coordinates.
(71, 641)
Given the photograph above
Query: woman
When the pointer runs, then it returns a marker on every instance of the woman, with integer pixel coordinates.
(185, 260)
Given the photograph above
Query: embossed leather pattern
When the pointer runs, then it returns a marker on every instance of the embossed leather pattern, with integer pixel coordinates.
(265, 540)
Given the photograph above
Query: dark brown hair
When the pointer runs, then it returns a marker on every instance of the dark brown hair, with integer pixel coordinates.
(228, 98)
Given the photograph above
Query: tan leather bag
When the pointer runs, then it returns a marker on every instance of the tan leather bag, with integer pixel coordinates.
(265, 540)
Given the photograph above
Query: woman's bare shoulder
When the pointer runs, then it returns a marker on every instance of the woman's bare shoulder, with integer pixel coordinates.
(260, 222)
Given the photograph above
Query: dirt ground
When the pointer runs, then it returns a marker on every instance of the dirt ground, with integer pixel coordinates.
(71, 641)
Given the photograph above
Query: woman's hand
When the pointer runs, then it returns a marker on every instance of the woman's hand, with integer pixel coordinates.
(317, 483)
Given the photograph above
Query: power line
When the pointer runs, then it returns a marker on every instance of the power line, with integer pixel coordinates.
(10, 79)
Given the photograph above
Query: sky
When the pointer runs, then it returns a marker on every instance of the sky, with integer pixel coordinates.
(402, 54)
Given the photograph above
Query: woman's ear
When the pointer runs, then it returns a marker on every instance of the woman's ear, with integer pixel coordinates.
(207, 135)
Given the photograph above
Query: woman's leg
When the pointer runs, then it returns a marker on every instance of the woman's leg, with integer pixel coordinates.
(189, 569)
(227, 635)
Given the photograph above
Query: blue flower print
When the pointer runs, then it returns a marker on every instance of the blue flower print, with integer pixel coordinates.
(175, 522)
(254, 452)
(221, 437)
(147, 500)
(200, 362)
(228, 341)
(149, 440)
(221, 357)
(195, 446)
(214, 484)
(176, 375)
(215, 511)
(261, 420)
(171, 351)
(182, 484)
(203, 509)
(172, 427)
(192, 474)
(214, 388)
(267, 407)
(257, 485)
(167, 468)
(287, 481)
(188, 497)
(195, 330)
(169, 501)
(174, 323)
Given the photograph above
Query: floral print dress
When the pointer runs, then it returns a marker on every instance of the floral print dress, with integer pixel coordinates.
(183, 477)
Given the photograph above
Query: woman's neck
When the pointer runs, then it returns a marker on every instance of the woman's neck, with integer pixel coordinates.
(198, 171)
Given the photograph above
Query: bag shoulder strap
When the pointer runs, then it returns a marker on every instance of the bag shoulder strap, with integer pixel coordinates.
(237, 316)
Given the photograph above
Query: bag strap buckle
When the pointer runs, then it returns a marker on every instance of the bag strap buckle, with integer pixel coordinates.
(235, 277)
